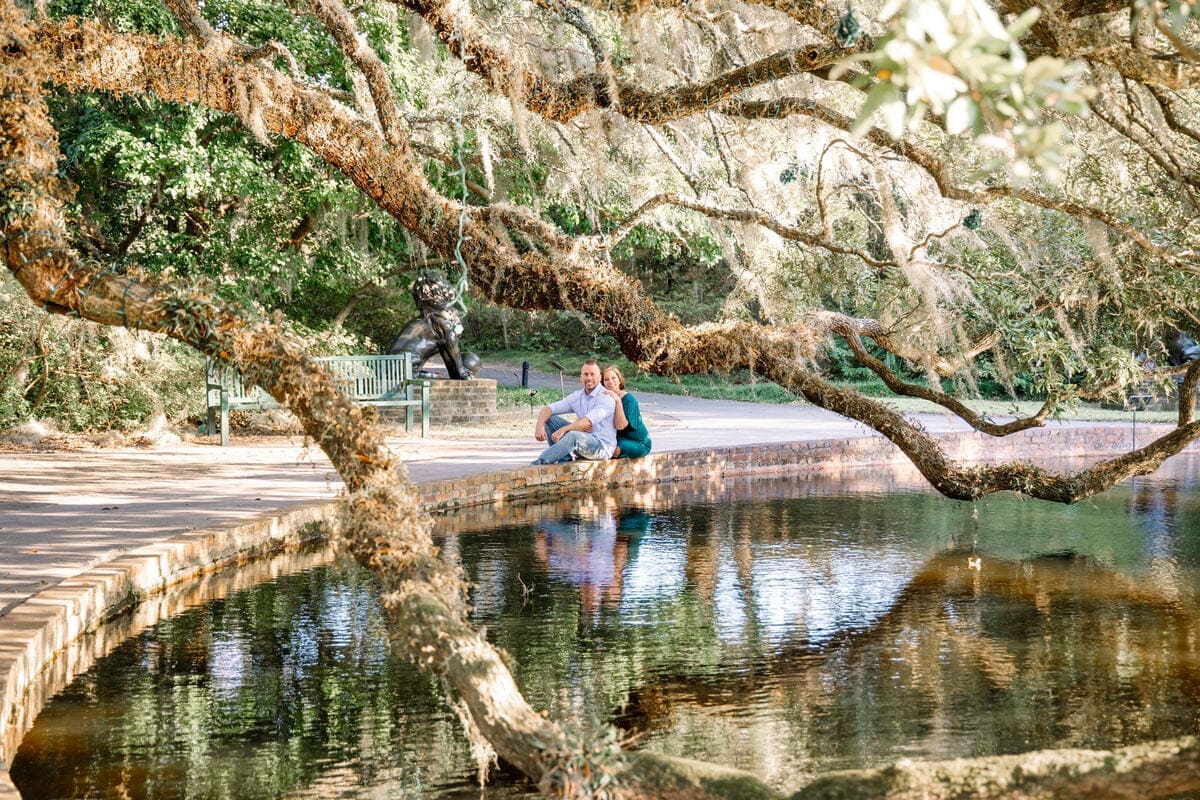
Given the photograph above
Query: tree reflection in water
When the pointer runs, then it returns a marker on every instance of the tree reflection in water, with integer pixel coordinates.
(792, 630)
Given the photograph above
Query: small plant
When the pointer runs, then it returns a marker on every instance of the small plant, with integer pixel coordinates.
(587, 764)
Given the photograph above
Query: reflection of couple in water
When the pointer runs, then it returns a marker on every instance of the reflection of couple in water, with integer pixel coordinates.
(591, 551)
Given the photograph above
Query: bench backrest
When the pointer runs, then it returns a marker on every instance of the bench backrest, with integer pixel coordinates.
(362, 378)
(371, 377)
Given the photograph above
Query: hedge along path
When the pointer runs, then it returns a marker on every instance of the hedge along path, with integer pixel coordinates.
(381, 525)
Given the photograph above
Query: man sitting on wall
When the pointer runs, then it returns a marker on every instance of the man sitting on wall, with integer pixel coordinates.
(592, 435)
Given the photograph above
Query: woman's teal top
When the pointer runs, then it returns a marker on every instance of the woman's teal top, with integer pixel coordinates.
(634, 441)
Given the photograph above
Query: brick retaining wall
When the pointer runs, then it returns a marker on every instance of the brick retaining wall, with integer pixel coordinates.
(454, 402)
(556, 480)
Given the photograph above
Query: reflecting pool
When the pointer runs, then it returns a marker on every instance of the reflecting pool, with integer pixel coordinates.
(788, 626)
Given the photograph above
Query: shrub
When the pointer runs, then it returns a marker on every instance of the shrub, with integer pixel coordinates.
(488, 328)
(84, 376)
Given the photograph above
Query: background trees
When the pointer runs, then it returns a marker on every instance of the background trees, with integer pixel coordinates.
(721, 144)
(549, 157)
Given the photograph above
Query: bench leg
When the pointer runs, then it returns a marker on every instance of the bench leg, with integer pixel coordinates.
(425, 410)
(224, 419)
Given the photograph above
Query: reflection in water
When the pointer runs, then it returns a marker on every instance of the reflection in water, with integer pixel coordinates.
(591, 552)
(791, 630)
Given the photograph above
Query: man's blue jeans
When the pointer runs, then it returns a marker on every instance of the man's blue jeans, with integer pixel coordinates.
(573, 445)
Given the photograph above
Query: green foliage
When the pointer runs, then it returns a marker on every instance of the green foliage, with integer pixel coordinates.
(740, 385)
(686, 241)
(87, 377)
(839, 363)
(126, 15)
(539, 331)
(994, 383)
(84, 376)
(254, 22)
(379, 317)
(330, 342)
(14, 408)
(685, 274)
(571, 219)
(960, 61)
(187, 193)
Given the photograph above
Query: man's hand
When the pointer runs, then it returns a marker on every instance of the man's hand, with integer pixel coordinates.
(539, 427)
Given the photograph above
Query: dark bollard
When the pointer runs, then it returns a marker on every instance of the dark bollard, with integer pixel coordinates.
(524, 374)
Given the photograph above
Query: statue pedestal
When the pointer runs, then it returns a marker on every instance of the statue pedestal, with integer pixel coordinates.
(454, 402)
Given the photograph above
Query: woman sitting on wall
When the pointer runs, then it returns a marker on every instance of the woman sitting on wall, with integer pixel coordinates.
(633, 440)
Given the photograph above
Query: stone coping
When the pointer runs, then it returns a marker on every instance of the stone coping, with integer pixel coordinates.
(57, 634)
(775, 458)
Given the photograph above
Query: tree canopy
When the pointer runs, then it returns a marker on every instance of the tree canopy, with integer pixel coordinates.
(980, 191)
(975, 189)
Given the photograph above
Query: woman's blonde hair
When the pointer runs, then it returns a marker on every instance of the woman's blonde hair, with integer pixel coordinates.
(620, 377)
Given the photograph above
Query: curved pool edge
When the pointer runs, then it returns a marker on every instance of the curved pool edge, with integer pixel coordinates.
(771, 458)
(36, 635)
(36, 659)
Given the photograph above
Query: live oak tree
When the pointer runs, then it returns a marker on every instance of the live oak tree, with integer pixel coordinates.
(978, 186)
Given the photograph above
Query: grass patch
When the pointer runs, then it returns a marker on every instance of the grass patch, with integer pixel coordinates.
(517, 397)
(1004, 409)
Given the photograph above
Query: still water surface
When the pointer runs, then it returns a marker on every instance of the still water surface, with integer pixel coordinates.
(788, 627)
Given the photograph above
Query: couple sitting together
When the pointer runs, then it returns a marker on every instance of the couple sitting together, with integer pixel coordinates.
(608, 423)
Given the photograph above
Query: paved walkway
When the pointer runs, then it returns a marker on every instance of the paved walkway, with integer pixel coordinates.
(63, 513)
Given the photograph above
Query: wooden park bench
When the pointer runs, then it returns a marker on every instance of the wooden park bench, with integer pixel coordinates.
(385, 381)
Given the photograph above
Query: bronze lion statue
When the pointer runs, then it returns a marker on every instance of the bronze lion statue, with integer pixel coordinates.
(437, 329)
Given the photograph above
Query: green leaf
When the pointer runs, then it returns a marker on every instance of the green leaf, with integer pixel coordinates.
(880, 93)
(961, 114)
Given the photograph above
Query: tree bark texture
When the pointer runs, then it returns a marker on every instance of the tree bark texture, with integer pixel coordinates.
(1155, 769)
(382, 524)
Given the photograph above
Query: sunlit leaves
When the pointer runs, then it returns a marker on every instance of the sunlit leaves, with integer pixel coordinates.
(956, 59)
(1176, 13)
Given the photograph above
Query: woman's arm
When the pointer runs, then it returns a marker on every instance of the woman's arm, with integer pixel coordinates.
(619, 420)
(632, 414)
